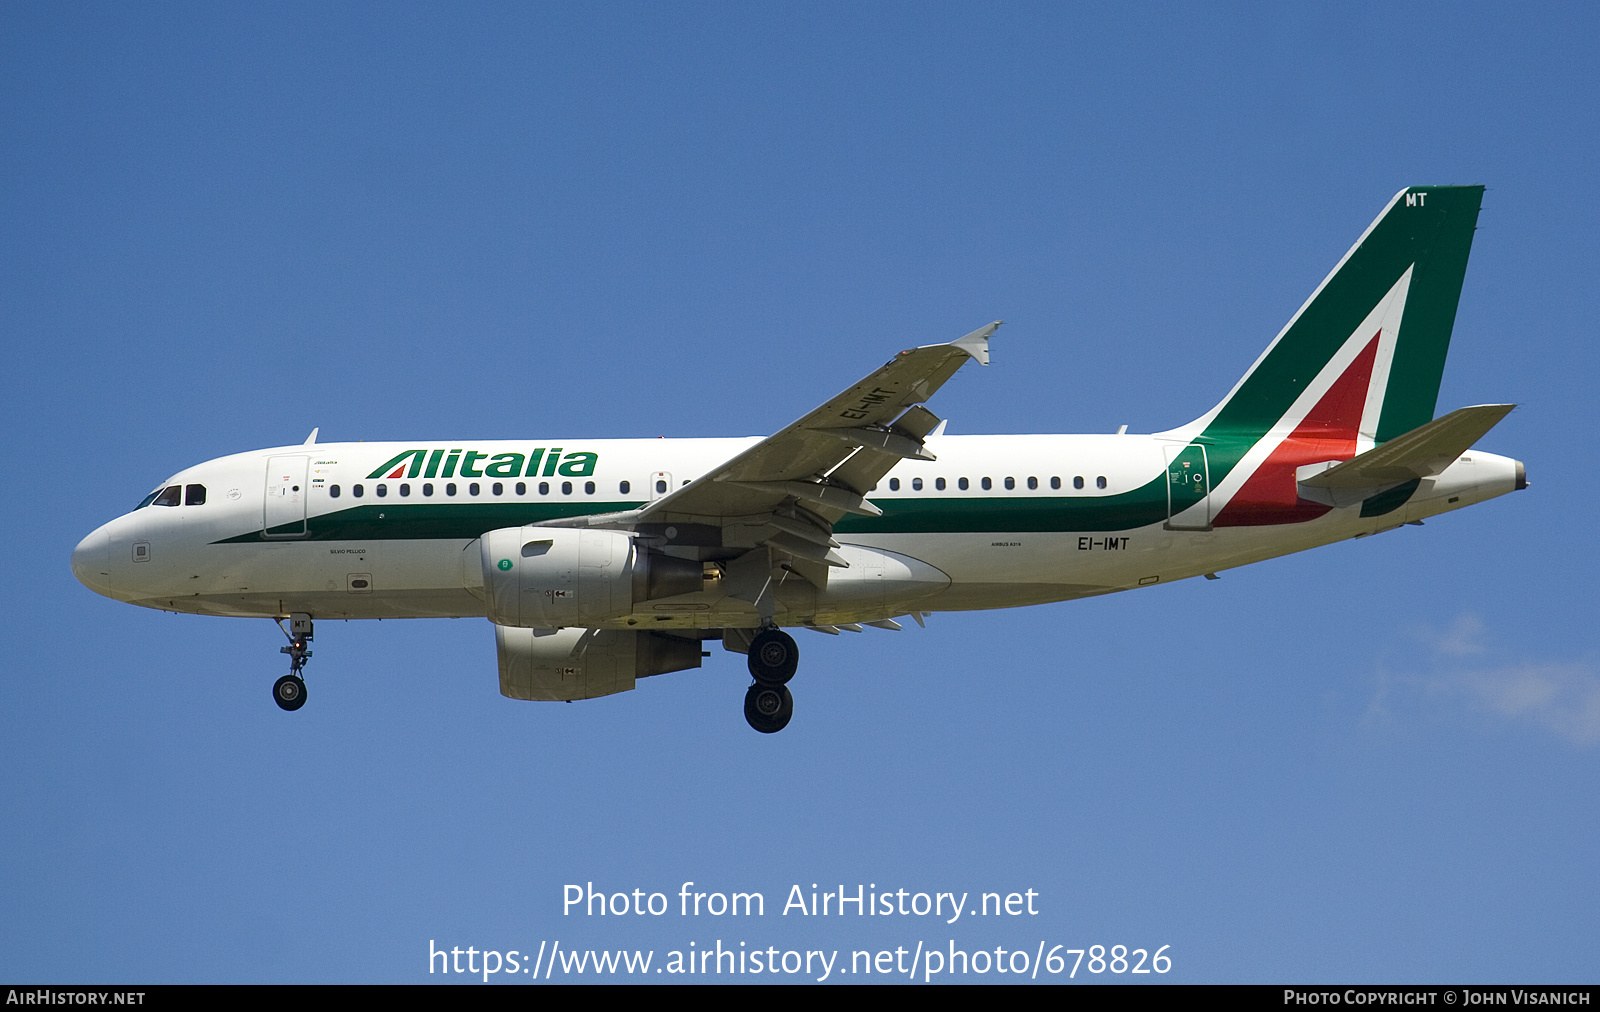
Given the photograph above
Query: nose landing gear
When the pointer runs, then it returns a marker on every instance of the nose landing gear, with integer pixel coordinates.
(289, 692)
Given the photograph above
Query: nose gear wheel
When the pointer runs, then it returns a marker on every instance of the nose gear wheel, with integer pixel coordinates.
(289, 692)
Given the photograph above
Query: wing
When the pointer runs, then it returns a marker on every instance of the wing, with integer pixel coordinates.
(786, 492)
(829, 459)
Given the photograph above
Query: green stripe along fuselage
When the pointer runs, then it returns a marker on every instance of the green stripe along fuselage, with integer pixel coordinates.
(925, 511)
(1133, 493)
(911, 515)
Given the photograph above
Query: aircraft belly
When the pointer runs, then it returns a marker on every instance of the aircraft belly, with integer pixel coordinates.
(1013, 570)
(436, 603)
(1033, 559)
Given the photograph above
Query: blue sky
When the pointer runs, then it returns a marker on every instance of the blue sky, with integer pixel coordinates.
(222, 226)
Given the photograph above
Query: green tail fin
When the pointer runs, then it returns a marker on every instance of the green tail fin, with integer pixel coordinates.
(1386, 310)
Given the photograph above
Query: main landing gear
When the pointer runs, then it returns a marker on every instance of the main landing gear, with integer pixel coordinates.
(289, 692)
(773, 659)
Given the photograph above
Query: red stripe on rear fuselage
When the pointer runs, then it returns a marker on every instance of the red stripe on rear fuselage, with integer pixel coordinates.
(1328, 432)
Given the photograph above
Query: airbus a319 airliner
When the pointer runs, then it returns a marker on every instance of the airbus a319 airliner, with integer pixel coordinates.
(600, 562)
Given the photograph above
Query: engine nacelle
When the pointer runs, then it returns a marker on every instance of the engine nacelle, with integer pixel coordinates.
(551, 577)
(584, 663)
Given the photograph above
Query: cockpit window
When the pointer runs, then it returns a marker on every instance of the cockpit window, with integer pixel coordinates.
(172, 495)
(147, 500)
(194, 495)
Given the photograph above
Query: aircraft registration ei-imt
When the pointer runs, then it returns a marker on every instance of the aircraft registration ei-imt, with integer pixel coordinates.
(602, 561)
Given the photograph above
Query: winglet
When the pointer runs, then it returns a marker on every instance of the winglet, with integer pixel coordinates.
(311, 439)
(976, 344)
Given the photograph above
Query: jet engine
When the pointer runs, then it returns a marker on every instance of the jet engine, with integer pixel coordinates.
(551, 577)
(584, 663)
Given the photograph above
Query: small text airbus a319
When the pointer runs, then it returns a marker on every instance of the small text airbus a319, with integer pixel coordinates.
(602, 561)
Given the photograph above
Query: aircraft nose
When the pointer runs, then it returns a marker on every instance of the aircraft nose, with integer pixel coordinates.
(91, 561)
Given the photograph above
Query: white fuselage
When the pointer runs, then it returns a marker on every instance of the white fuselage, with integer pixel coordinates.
(413, 552)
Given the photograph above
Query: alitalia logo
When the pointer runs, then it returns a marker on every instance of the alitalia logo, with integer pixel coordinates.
(541, 462)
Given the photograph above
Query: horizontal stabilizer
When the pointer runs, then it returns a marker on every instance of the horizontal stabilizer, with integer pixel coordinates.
(1421, 453)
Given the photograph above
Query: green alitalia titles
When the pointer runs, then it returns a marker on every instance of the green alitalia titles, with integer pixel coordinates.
(439, 463)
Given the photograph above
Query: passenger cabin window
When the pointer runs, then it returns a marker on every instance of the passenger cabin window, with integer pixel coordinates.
(405, 490)
(916, 484)
(1011, 483)
(1033, 482)
(333, 491)
(938, 483)
(661, 487)
(566, 488)
(1100, 482)
(894, 484)
(498, 489)
(1055, 482)
(1077, 482)
(194, 495)
(427, 488)
(987, 484)
(544, 488)
(473, 489)
(588, 488)
(522, 488)
(450, 488)
(172, 495)
(623, 487)
(962, 484)
(357, 491)
(382, 491)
